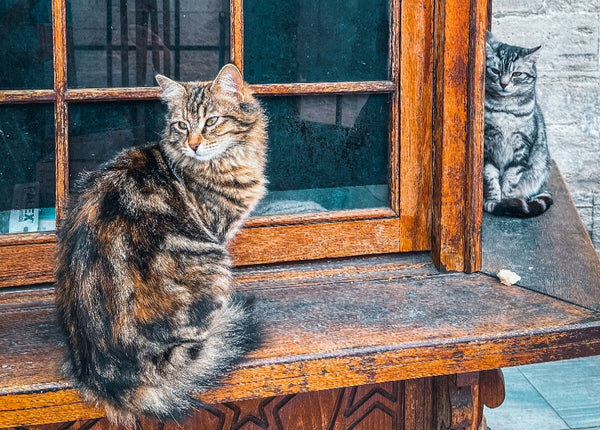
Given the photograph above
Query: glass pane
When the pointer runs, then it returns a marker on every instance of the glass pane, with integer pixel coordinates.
(25, 45)
(98, 131)
(27, 170)
(326, 153)
(316, 40)
(126, 42)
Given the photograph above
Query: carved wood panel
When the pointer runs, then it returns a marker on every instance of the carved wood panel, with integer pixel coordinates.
(367, 407)
(442, 403)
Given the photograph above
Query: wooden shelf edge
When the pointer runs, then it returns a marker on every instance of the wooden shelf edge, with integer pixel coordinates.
(394, 317)
(385, 366)
(358, 369)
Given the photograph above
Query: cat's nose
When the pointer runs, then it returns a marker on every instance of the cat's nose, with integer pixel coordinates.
(194, 141)
(503, 85)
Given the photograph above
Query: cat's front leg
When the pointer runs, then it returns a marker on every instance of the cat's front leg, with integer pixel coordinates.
(492, 192)
(510, 182)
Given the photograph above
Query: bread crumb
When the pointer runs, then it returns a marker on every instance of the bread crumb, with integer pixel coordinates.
(507, 277)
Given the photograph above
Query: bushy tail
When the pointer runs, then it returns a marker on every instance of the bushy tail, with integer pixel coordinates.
(166, 385)
(522, 208)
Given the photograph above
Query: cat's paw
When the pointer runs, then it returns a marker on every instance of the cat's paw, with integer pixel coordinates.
(489, 205)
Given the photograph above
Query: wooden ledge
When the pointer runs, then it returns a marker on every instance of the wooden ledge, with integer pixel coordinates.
(552, 253)
(327, 325)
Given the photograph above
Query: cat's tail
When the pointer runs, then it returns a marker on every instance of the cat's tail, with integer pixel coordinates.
(522, 208)
(167, 384)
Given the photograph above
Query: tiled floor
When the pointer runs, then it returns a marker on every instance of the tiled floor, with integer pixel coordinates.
(561, 395)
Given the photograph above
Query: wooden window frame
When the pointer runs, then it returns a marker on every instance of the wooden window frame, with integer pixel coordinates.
(435, 151)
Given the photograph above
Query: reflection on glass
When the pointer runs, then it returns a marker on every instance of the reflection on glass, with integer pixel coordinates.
(98, 131)
(25, 45)
(326, 153)
(316, 40)
(27, 184)
(126, 42)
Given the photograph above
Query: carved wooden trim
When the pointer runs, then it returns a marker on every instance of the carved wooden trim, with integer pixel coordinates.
(440, 403)
(492, 388)
(460, 398)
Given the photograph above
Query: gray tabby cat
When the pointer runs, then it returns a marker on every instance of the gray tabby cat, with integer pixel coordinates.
(516, 157)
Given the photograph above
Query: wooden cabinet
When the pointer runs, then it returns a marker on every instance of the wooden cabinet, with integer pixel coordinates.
(392, 122)
(375, 316)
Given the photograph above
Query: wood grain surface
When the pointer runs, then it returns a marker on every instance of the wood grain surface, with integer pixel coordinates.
(61, 113)
(23, 264)
(552, 253)
(475, 130)
(153, 93)
(323, 88)
(26, 96)
(236, 11)
(271, 244)
(327, 325)
(459, 34)
(416, 124)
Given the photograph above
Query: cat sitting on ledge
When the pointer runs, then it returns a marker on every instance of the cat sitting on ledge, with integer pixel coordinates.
(516, 157)
(144, 288)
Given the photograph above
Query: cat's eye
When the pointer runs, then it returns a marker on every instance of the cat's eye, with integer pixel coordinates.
(495, 71)
(212, 121)
(517, 74)
(182, 125)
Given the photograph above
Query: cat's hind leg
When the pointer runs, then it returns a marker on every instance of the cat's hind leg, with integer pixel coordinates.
(522, 194)
(199, 359)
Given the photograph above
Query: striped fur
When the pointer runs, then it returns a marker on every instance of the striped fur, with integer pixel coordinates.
(516, 157)
(143, 280)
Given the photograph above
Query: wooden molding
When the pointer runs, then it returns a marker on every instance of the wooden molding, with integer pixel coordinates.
(416, 80)
(459, 32)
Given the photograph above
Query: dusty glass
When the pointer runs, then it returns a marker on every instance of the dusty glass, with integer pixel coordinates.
(122, 44)
(326, 153)
(25, 45)
(98, 131)
(27, 169)
(316, 40)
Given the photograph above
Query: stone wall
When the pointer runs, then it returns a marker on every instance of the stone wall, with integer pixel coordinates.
(568, 87)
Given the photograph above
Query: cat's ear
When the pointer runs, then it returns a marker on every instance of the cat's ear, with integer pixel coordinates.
(533, 54)
(171, 90)
(229, 83)
(490, 42)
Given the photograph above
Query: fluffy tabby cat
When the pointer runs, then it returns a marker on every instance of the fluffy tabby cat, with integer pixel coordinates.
(516, 158)
(143, 279)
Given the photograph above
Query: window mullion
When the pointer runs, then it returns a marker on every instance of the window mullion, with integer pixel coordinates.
(237, 34)
(61, 119)
(25, 96)
(395, 111)
(324, 88)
